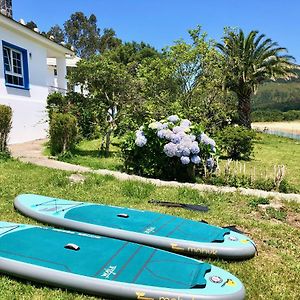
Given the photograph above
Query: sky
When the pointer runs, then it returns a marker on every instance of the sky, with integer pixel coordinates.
(161, 22)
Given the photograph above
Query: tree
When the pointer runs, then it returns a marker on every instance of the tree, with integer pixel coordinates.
(110, 89)
(187, 79)
(57, 33)
(197, 68)
(160, 88)
(108, 40)
(132, 54)
(249, 61)
(83, 34)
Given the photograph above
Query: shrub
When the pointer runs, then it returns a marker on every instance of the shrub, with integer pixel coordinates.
(275, 115)
(236, 141)
(86, 114)
(56, 103)
(291, 115)
(80, 107)
(5, 126)
(171, 149)
(63, 133)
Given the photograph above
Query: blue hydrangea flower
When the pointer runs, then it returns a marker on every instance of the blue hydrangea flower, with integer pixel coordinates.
(161, 133)
(185, 123)
(139, 133)
(204, 138)
(177, 129)
(170, 149)
(185, 160)
(186, 142)
(192, 137)
(182, 134)
(164, 125)
(176, 139)
(173, 119)
(211, 142)
(168, 134)
(186, 152)
(195, 159)
(195, 148)
(210, 163)
(141, 141)
(160, 126)
(178, 152)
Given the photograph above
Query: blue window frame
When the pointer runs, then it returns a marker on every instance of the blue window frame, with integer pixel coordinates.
(15, 66)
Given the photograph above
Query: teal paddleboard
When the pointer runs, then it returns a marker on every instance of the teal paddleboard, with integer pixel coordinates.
(150, 228)
(109, 267)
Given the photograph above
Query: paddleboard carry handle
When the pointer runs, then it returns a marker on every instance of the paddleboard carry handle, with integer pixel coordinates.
(125, 216)
(72, 247)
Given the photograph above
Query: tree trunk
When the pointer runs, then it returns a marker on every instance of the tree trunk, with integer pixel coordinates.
(107, 141)
(244, 111)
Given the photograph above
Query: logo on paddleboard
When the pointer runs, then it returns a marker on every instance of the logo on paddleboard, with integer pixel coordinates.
(109, 271)
(149, 230)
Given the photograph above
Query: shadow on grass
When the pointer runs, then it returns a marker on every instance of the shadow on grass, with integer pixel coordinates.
(240, 159)
(95, 153)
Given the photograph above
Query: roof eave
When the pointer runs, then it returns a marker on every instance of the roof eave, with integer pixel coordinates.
(12, 24)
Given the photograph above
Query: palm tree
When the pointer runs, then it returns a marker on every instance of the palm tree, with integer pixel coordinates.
(249, 61)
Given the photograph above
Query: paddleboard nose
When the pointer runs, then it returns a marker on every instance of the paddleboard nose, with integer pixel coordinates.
(247, 246)
(223, 282)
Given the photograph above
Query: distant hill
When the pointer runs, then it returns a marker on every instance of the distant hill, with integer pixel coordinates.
(280, 95)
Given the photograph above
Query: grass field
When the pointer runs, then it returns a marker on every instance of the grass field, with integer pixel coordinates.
(273, 274)
(269, 150)
(87, 154)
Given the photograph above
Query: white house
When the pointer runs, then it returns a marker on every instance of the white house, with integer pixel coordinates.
(71, 62)
(26, 78)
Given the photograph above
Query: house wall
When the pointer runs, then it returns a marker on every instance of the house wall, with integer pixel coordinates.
(29, 106)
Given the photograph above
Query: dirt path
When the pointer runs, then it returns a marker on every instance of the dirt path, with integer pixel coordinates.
(31, 152)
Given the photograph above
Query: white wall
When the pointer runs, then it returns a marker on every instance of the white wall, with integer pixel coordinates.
(28, 106)
(29, 120)
(51, 77)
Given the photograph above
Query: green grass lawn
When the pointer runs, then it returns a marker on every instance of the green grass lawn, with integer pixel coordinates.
(87, 154)
(273, 274)
(269, 150)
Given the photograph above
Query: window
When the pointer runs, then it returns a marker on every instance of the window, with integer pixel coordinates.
(15, 66)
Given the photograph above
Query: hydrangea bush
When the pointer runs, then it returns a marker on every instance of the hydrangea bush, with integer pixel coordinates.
(172, 148)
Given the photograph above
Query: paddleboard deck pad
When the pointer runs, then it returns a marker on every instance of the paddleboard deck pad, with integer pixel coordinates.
(149, 228)
(109, 267)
